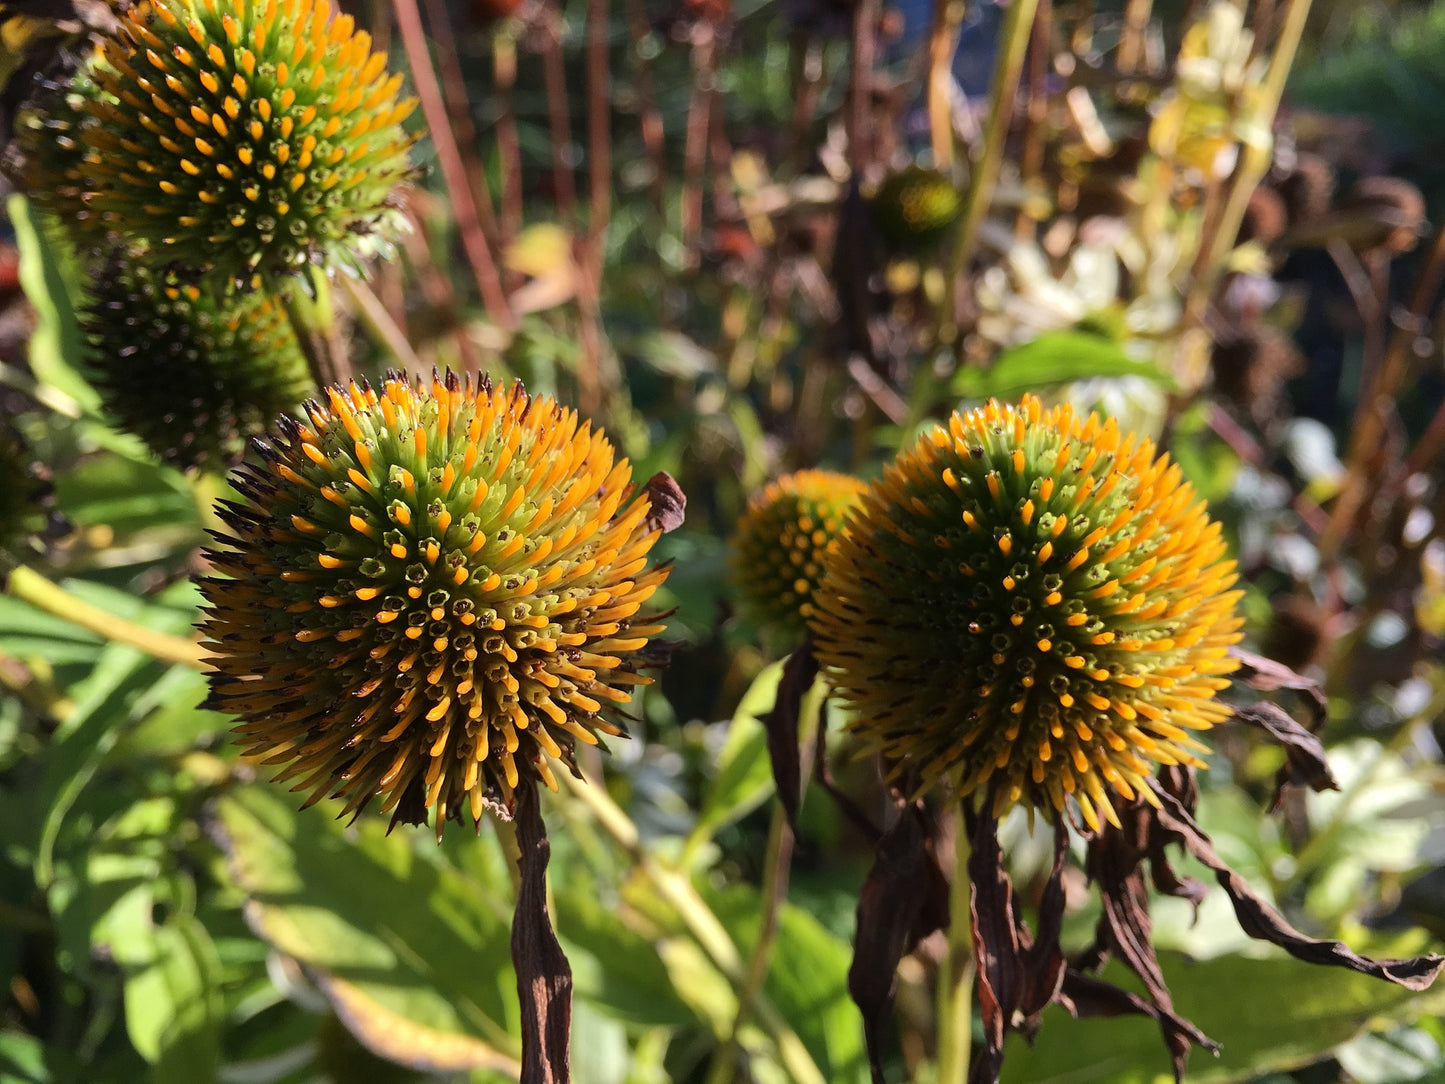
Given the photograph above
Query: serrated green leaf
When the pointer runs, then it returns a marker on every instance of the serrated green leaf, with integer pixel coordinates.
(1056, 357)
(414, 956)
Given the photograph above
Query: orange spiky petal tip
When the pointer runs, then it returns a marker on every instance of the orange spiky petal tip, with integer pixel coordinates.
(1033, 603)
(779, 545)
(250, 139)
(433, 592)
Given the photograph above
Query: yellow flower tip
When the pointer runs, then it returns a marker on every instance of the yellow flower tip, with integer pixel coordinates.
(1065, 625)
(778, 548)
(433, 591)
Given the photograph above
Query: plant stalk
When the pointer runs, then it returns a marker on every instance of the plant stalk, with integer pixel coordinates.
(49, 597)
(702, 924)
(307, 301)
(1013, 46)
(957, 972)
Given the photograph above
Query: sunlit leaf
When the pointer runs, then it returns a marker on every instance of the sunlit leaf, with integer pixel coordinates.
(413, 955)
(1056, 357)
(1266, 1014)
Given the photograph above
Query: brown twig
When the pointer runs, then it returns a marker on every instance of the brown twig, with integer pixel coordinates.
(942, 44)
(459, 110)
(808, 68)
(559, 120)
(695, 142)
(454, 174)
(509, 144)
(648, 115)
(1131, 41)
(1031, 162)
(1375, 397)
(860, 84)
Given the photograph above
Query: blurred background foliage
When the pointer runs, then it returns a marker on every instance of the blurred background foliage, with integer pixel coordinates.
(747, 238)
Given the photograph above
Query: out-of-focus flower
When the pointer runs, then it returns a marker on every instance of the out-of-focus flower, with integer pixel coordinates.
(194, 376)
(1215, 102)
(432, 593)
(1023, 297)
(780, 542)
(1031, 601)
(915, 209)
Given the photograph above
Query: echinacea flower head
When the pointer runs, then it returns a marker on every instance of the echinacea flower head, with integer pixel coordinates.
(252, 137)
(194, 375)
(1031, 604)
(779, 546)
(431, 594)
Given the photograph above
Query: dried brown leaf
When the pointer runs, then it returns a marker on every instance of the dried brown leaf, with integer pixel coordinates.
(903, 900)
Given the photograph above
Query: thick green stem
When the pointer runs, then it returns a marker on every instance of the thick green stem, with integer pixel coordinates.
(676, 888)
(307, 300)
(30, 586)
(957, 972)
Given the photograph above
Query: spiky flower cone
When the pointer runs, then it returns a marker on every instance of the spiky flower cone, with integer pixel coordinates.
(916, 208)
(433, 588)
(779, 546)
(244, 137)
(1032, 600)
(194, 376)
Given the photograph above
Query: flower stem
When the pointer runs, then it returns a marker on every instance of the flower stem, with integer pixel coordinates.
(1013, 45)
(776, 865)
(30, 586)
(307, 301)
(702, 924)
(957, 972)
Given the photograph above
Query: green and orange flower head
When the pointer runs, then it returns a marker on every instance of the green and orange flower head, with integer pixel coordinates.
(250, 137)
(194, 376)
(915, 209)
(1030, 604)
(779, 545)
(431, 595)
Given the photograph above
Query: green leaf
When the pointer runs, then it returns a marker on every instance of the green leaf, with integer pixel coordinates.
(1266, 1014)
(614, 966)
(744, 777)
(807, 981)
(1056, 357)
(414, 956)
(22, 1059)
(173, 1005)
(55, 346)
